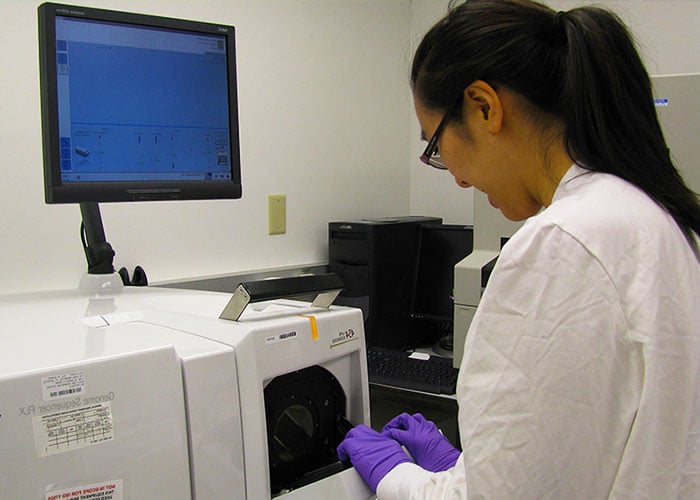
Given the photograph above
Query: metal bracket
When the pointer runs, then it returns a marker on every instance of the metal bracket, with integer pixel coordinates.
(326, 286)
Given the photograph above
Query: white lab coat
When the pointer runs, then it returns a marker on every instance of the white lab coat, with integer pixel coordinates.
(581, 373)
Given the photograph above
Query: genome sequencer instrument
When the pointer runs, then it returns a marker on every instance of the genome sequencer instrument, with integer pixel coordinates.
(145, 393)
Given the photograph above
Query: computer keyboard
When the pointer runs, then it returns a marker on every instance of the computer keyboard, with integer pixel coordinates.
(415, 371)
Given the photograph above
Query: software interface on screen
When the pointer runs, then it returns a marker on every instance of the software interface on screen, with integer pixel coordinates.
(141, 104)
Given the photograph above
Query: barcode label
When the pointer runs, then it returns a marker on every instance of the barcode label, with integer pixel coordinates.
(62, 385)
(66, 392)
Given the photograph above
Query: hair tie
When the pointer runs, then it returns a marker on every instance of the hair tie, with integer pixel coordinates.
(559, 19)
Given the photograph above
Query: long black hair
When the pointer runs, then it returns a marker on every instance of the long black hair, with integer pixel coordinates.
(580, 66)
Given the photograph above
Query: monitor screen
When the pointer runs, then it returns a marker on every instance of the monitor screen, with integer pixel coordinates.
(440, 247)
(137, 107)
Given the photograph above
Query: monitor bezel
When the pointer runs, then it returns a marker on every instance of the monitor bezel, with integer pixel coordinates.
(57, 191)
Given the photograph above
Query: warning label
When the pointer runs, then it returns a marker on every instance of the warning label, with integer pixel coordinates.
(108, 490)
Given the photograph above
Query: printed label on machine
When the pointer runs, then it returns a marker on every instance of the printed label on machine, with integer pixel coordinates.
(107, 490)
(65, 384)
(282, 337)
(72, 429)
(344, 337)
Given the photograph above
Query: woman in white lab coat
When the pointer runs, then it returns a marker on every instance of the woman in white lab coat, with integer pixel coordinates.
(580, 377)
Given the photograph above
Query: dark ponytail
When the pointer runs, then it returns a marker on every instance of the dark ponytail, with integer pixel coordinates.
(580, 66)
(611, 121)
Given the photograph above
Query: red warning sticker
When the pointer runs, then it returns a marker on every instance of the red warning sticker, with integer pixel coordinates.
(106, 490)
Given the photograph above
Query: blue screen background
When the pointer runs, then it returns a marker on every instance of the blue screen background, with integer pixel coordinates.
(144, 114)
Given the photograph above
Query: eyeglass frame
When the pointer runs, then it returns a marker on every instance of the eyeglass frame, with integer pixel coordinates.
(429, 154)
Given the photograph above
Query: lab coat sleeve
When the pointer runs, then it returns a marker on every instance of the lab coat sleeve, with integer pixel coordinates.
(409, 481)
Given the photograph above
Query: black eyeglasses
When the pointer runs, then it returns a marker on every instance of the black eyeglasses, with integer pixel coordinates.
(431, 155)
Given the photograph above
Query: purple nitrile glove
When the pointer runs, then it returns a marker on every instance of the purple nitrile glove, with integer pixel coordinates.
(372, 454)
(423, 440)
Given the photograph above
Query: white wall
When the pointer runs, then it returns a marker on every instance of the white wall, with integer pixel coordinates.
(324, 117)
(666, 32)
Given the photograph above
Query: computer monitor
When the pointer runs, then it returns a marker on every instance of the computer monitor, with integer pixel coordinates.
(440, 247)
(136, 108)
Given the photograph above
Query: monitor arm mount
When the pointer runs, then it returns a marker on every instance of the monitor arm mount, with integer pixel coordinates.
(98, 251)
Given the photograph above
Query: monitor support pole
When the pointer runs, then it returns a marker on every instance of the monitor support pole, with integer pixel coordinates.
(98, 251)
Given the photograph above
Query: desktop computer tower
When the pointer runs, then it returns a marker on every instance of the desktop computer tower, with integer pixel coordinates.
(376, 259)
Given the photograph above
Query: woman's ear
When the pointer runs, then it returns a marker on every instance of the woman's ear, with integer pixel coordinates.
(482, 101)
